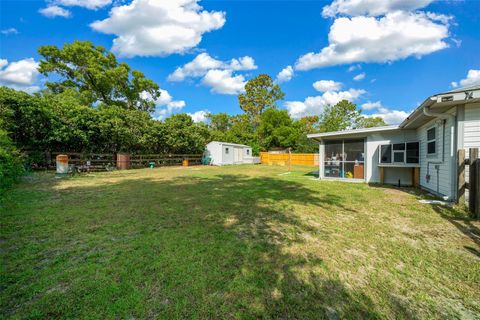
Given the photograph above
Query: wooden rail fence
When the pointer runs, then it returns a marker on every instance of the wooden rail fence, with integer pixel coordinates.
(107, 161)
(469, 180)
(284, 159)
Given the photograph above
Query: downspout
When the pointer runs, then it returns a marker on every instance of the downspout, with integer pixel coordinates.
(444, 117)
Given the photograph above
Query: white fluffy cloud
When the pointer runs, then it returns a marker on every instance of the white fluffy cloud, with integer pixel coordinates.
(199, 116)
(217, 74)
(327, 85)
(473, 78)
(354, 67)
(371, 7)
(20, 75)
(89, 4)
(9, 31)
(55, 11)
(397, 35)
(224, 82)
(371, 106)
(202, 63)
(242, 64)
(285, 75)
(165, 105)
(359, 76)
(158, 28)
(315, 105)
(388, 115)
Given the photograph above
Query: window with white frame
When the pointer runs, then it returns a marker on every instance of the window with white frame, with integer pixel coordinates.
(248, 152)
(226, 150)
(386, 153)
(432, 140)
(399, 153)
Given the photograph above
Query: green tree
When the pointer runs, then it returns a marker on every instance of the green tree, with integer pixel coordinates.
(26, 118)
(277, 129)
(339, 117)
(261, 93)
(97, 76)
(73, 126)
(243, 132)
(370, 122)
(10, 162)
(122, 130)
(307, 124)
(183, 136)
(219, 124)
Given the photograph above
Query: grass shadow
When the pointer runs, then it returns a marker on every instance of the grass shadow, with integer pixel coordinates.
(459, 218)
(178, 247)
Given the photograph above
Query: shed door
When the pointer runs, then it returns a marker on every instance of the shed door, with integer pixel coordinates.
(238, 154)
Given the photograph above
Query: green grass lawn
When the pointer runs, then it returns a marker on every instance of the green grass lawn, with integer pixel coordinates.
(232, 242)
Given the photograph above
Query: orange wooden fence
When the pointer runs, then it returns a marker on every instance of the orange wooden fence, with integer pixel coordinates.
(284, 159)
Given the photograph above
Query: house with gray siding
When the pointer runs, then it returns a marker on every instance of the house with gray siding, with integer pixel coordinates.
(421, 151)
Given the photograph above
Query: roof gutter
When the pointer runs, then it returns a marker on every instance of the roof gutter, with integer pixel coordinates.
(428, 112)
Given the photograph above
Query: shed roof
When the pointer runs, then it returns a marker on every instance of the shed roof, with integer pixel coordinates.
(230, 144)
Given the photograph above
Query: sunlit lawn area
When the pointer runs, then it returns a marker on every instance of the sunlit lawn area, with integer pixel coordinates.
(232, 242)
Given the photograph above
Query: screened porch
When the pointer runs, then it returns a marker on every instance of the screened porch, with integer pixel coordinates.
(344, 159)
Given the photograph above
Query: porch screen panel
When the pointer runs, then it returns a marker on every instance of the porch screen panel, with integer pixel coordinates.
(354, 164)
(333, 159)
(344, 159)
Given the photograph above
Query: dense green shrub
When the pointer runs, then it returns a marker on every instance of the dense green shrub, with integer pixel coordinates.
(10, 162)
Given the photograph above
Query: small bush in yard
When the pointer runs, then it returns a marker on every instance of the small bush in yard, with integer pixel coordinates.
(10, 162)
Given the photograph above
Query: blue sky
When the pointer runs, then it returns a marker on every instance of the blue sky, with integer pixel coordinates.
(400, 51)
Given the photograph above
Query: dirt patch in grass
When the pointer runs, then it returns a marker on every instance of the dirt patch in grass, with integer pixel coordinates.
(397, 196)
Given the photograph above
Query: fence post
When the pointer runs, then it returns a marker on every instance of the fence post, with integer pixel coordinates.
(289, 159)
(473, 183)
(461, 176)
(477, 188)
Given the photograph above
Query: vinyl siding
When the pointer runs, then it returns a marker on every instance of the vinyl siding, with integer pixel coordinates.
(471, 126)
(214, 150)
(471, 132)
(227, 158)
(441, 183)
(392, 175)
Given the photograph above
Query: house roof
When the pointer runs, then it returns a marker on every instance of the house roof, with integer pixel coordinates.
(440, 102)
(467, 88)
(230, 144)
(351, 132)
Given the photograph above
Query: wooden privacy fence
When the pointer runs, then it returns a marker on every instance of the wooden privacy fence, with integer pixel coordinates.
(284, 159)
(469, 180)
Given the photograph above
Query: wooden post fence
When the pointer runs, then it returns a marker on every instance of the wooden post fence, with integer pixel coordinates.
(474, 184)
(461, 183)
(477, 188)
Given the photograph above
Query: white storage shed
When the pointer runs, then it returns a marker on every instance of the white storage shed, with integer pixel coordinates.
(223, 153)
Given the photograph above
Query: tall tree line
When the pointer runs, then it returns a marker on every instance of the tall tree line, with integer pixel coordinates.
(93, 103)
